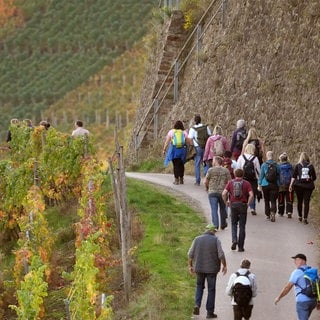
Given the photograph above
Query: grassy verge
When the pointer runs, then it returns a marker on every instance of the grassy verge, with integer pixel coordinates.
(170, 225)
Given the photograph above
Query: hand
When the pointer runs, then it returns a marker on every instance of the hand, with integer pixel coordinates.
(259, 188)
(191, 271)
(276, 300)
(224, 270)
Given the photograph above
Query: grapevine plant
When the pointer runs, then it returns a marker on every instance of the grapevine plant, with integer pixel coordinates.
(44, 168)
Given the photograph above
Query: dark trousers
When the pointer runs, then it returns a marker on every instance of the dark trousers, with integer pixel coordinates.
(270, 195)
(238, 216)
(285, 202)
(242, 312)
(303, 199)
(178, 168)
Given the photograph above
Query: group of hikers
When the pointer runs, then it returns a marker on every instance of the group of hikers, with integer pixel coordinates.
(78, 131)
(236, 175)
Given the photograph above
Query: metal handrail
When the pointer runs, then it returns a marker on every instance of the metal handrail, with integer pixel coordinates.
(191, 36)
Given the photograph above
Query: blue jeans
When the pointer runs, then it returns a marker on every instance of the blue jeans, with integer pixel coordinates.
(305, 308)
(211, 281)
(238, 216)
(216, 200)
(197, 164)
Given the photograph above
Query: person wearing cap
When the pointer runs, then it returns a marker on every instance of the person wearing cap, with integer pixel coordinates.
(244, 276)
(205, 257)
(304, 304)
(237, 139)
(285, 197)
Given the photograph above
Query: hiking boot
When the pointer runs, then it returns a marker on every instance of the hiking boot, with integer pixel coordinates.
(181, 180)
(305, 221)
(176, 181)
(234, 246)
(272, 217)
(300, 219)
(196, 310)
(240, 250)
(211, 315)
(253, 212)
(197, 184)
(289, 215)
(268, 217)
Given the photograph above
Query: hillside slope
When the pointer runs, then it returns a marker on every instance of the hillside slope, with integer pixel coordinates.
(262, 66)
(58, 45)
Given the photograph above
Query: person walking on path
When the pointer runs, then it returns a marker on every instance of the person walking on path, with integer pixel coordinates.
(205, 257)
(269, 181)
(238, 195)
(175, 150)
(246, 278)
(237, 139)
(79, 131)
(215, 181)
(250, 165)
(304, 304)
(285, 198)
(253, 138)
(302, 182)
(216, 145)
(199, 134)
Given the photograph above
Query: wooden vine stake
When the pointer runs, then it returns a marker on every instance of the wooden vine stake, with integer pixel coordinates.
(123, 214)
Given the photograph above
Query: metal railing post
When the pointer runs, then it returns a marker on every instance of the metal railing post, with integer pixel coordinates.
(223, 9)
(156, 118)
(199, 42)
(176, 81)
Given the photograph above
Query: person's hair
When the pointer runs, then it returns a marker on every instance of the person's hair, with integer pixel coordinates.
(217, 129)
(250, 149)
(178, 125)
(227, 154)
(238, 173)
(269, 155)
(45, 124)
(252, 134)
(14, 121)
(79, 123)
(27, 122)
(241, 123)
(219, 160)
(283, 157)
(245, 264)
(197, 119)
(304, 157)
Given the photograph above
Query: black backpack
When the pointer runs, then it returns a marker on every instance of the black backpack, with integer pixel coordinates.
(240, 137)
(242, 293)
(202, 136)
(249, 172)
(271, 173)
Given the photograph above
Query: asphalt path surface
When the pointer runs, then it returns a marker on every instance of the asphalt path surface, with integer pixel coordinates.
(268, 245)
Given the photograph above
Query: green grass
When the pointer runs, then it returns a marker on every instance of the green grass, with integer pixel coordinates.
(169, 228)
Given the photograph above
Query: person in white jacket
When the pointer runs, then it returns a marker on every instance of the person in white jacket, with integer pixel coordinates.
(244, 276)
(249, 155)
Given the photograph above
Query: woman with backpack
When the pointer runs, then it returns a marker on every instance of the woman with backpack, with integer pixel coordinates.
(175, 150)
(250, 165)
(285, 198)
(302, 182)
(216, 145)
(253, 138)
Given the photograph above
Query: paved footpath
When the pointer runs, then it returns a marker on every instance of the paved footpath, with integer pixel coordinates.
(268, 246)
